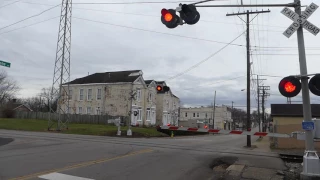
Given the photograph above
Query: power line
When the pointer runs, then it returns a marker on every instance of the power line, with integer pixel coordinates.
(136, 14)
(290, 54)
(29, 25)
(29, 17)
(217, 82)
(206, 59)
(140, 29)
(9, 4)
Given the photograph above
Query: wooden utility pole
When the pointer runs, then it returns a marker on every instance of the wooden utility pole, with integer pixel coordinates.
(248, 66)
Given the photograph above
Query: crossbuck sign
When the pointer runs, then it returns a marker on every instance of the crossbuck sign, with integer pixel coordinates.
(300, 20)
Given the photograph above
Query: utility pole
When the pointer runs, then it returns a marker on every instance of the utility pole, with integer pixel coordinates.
(263, 98)
(258, 96)
(214, 109)
(248, 66)
(61, 73)
(263, 120)
(304, 81)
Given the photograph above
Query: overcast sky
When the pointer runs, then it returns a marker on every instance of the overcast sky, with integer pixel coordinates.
(145, 43)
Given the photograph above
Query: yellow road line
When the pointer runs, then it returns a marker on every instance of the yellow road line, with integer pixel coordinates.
(84, 164)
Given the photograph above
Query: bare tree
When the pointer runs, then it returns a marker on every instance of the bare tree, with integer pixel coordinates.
(46, 95)
(8, 87)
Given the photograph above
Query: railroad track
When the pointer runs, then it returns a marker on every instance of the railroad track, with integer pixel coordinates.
(291, 158)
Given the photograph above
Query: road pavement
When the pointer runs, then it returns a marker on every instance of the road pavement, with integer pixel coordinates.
(41, 155)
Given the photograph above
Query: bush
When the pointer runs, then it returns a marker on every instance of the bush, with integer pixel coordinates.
(179, 133)
(8, 113)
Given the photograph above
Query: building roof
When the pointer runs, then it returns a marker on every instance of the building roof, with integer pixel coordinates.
(293, 110)
(108, 77)
(175, 96)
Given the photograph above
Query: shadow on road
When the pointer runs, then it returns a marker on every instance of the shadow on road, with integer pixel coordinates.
(4, 141)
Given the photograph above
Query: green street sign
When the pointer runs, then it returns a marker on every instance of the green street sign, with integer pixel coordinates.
(6, 64)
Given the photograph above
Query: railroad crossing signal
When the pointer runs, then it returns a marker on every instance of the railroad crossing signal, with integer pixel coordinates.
(290, 86)
(161, 88)
(314, 85)
(170, 18)
(300, 20)
(188, 15)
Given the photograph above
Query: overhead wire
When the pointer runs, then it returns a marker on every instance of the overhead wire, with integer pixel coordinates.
(204, 60)
(29, 17)
(29, 25)
(9, 4)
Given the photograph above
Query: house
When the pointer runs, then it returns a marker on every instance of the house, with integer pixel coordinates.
(151, 102)
(287, 118)
(113, 93)
(167, 107)
(201, 116)
(15, 106)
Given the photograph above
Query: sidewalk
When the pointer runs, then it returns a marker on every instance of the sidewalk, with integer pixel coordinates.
(262, 168)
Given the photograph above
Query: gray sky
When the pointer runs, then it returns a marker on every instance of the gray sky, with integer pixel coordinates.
(99, 47)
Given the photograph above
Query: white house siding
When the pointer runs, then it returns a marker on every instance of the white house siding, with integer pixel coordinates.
(191, 116)
(150, 104)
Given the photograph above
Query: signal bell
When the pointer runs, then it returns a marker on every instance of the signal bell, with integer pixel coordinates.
(314, 85)
(290, 86)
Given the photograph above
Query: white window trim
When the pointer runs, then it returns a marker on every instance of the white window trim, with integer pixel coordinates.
(79, 110)
(80, 95)
(100, 94)
(98, 108)
(148, 111)
(139, 93)
(90, 110)
(88, 94)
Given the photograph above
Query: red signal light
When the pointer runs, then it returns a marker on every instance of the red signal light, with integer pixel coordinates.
(159, 88)
(166, 15)
(290, 86)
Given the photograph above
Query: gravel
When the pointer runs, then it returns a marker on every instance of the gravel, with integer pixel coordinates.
(293, 171)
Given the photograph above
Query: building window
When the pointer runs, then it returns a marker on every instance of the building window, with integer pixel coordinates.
(206, 115)
(88, 110)
(99, 94)
(148, 114)
(70, 94)
(197, 114)
(98, 111)
(194, 114)
(139, 114)
(186, 114)
(150, 96)
(80, 110)
(89, 97)
(81, 95)
(138, 94)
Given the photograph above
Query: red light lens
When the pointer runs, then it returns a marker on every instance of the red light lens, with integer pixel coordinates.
(166, 15)
(289, 87)
(159, 88)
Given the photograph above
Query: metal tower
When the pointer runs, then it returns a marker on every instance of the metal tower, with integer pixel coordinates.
(59, 115)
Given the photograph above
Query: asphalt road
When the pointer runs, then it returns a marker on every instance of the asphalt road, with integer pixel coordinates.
(54, 156)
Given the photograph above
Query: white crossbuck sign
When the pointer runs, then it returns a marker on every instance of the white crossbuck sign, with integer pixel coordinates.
(300, 20)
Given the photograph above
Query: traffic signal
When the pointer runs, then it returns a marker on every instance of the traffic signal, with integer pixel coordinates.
(314, 85)
(170, 18)
(161, 88)
(290, 86)
(189, 14)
